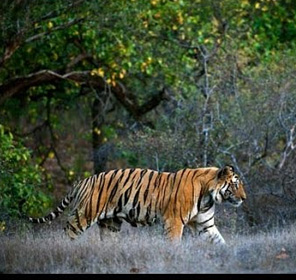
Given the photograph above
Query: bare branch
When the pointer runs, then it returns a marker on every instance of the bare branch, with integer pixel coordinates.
(60, 27)
(56, 13)
(290, 146)
(10, 49)
(34, 130)
(77, 59)
(19, 40)
(287, 126)
(20, 84)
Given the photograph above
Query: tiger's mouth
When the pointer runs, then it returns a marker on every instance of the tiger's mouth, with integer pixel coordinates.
(235, 202)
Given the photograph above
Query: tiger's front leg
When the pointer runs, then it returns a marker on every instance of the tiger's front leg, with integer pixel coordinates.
(206, 229)
(173, 228)
(213, 235)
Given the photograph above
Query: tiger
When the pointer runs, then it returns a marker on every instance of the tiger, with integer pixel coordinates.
(142, 196)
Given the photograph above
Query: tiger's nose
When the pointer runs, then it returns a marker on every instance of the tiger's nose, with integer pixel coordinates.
(243, 198)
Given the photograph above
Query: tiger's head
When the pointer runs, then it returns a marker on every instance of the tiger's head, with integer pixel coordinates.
(229, 187)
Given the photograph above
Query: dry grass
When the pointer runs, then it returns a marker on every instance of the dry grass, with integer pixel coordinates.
(144, 250)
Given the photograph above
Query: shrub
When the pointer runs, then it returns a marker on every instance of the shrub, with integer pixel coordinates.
(20, 180)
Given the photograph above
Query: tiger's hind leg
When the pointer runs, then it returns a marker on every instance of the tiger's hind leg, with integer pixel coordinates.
(112, 224)
(109, 225)
(76, 225)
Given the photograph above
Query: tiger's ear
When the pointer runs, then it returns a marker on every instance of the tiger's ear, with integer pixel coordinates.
(226, 170)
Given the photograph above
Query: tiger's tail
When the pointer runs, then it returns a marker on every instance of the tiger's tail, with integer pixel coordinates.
(54, 214)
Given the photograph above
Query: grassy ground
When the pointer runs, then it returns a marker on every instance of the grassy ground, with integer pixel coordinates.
(144, 250)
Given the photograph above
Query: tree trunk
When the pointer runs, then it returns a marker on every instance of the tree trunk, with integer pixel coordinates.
(100, 155)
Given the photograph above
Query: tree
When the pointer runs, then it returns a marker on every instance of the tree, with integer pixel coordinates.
(46, 30)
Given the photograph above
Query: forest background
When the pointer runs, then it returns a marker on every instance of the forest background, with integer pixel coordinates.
(88, 86)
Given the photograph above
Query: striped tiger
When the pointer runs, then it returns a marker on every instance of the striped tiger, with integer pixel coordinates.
(140, 196)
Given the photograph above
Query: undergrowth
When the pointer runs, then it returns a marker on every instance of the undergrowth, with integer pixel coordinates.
(45, 249)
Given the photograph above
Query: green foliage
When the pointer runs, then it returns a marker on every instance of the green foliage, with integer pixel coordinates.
(19, 179)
